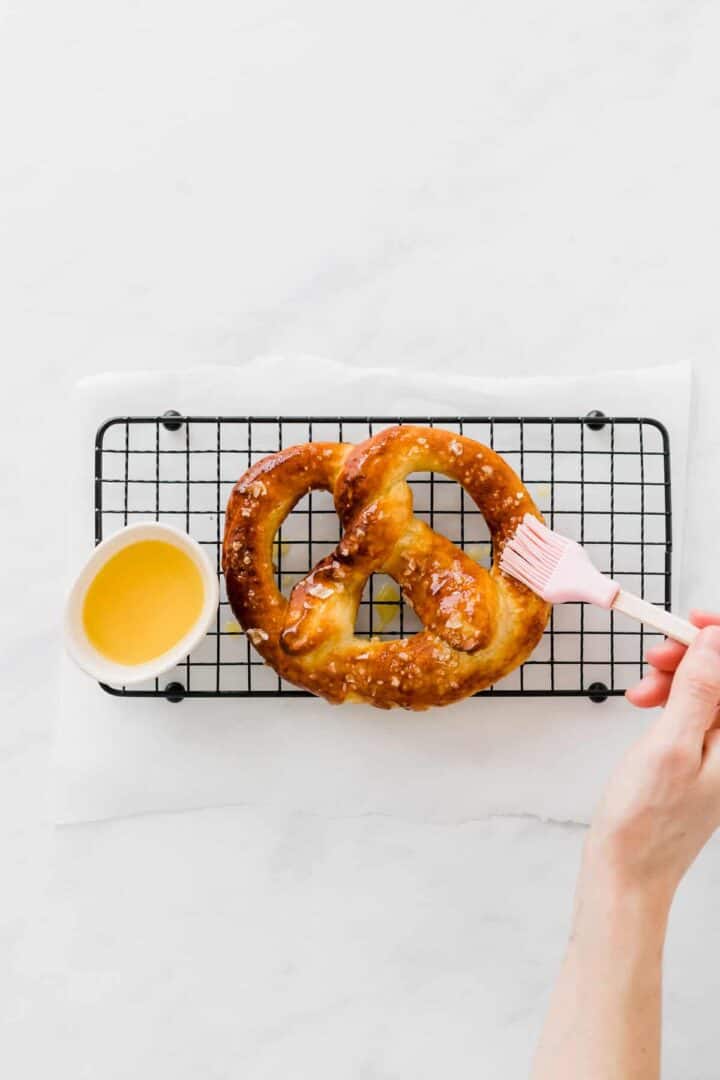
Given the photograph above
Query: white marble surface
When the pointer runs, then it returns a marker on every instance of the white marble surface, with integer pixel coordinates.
(468, 186)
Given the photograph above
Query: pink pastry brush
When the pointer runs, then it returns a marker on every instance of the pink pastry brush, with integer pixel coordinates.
(558, 570)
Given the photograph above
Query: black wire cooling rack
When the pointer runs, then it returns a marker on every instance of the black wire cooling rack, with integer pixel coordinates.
(604, 481)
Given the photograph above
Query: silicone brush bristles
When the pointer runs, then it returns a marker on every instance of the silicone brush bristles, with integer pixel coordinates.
(533, 553)
(554, 567)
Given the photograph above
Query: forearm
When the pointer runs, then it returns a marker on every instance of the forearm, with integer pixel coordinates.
(661, 806)
(604, 1018)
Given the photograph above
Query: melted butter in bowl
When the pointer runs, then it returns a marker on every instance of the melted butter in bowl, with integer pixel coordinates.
(143, 601)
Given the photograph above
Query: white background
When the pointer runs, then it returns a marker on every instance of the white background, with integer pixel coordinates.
(450, 186)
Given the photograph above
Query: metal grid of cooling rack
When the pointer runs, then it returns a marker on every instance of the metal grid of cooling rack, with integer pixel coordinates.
(604, 481)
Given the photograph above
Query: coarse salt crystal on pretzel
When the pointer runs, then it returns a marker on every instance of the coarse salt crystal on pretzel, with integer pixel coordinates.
(478, 624)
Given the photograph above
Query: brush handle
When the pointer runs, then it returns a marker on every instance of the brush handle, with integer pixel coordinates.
(657, 617)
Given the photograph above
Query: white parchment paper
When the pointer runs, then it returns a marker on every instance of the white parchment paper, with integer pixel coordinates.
(545, 757)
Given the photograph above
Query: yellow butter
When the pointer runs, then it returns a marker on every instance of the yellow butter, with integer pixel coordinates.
(142, 602)
(386, 605)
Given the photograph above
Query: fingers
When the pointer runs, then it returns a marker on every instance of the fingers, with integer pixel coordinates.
(667, 655)
(704, 618)
(651, 691)
(695, 691)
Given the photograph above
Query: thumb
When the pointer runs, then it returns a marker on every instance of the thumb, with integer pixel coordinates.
(695, 692)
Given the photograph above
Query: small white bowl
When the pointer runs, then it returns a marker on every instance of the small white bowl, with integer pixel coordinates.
(76, 640)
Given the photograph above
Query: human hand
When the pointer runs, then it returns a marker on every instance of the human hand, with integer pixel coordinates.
(660, 807)
(663, 802)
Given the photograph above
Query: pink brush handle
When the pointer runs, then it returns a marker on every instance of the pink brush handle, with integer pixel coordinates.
(657, 617)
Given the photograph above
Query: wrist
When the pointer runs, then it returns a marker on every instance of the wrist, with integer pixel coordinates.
(609, 897)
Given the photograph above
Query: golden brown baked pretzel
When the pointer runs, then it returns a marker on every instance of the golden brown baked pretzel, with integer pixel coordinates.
(479, 624)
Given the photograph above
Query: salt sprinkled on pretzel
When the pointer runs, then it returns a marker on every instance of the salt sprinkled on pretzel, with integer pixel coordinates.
(478, 624)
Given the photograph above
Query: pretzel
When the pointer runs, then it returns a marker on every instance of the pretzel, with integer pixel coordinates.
(478, 624)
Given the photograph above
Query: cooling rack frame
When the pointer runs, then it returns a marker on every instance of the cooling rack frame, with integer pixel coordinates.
(159, 431)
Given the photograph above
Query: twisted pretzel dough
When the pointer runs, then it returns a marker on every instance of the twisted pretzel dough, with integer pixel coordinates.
(479, 625)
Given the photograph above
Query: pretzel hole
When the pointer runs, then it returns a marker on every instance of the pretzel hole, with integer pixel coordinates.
(446, 507)
(309, 533)
(382, 611)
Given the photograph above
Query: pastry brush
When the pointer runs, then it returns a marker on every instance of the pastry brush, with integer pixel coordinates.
(558, 570)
